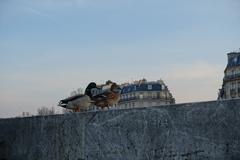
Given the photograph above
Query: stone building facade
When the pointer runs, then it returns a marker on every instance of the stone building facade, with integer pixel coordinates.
(145, 94)
(231, 81)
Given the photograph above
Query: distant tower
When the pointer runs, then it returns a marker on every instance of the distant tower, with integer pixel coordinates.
(231, 81)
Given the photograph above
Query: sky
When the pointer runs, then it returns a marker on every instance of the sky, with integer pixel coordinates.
(49, 48)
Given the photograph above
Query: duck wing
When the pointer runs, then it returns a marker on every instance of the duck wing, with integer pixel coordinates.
(66, 100)
(100, 97)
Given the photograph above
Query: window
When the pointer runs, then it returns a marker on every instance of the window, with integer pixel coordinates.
(149, 95)
(238, 89)
(162, 95)
(233, 72)
(135, 88)
(233, 85)
(149, 87)
(233, 93)
(235, 59)
(163, 87)
(145, 95)
(154, 95)
(133, 104)
(167, 95)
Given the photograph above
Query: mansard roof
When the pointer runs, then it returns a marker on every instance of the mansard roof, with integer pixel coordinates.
(234, 59)
(143, 87)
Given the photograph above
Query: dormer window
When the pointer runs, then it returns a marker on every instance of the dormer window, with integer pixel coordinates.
(131, 95)
(149, 87)
(235, 60)
(163, 87)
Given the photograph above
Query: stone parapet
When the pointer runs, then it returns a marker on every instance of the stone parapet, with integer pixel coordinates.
(191, 131)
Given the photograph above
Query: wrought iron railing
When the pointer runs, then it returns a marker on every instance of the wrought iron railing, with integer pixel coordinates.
(144, 98)
(229, 77)
(233, 93)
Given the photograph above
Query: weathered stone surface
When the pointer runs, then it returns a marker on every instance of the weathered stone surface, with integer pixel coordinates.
(195, 131)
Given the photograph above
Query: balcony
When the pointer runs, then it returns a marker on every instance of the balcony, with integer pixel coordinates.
(231, 77)
(145, 98)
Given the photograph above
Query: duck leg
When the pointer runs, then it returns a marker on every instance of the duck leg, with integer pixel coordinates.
(76, 110)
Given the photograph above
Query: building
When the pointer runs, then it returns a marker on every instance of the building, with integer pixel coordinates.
(144, 94)
(231, 81)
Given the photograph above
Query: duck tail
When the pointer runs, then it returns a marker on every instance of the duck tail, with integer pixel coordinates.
(61, 104)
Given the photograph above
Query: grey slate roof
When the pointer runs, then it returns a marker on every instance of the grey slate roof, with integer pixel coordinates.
(142, 87)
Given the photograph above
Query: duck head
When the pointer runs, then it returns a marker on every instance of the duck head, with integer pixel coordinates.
(89, 87)
(116, 88)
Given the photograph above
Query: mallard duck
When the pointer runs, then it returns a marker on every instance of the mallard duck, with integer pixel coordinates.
(76, 103)
(109, 97)
(88, 90)
(101, 96)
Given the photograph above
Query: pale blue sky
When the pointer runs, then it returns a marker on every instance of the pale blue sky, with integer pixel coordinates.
(50, 47)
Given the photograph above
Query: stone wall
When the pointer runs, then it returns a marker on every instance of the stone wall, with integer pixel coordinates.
(194, 131)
